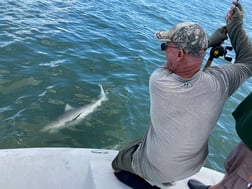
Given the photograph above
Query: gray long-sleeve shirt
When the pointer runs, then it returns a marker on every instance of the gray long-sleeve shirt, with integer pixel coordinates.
(184, 112)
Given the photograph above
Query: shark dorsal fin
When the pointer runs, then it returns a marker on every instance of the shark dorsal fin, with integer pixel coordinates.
(68, 107)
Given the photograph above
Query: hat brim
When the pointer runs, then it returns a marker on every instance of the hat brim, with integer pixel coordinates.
(164, 36)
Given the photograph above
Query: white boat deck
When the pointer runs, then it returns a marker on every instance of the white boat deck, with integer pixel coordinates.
(70, 168)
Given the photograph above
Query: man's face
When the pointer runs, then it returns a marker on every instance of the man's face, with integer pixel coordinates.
(172, 53)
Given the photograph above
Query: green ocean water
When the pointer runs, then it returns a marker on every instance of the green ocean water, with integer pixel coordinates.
(56, 52)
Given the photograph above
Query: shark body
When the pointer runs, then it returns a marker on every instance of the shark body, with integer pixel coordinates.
(73, 116)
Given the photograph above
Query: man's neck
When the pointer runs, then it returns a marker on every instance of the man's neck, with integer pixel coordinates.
(189, 67)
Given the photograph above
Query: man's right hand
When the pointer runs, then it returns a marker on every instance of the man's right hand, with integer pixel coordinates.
(218, 37)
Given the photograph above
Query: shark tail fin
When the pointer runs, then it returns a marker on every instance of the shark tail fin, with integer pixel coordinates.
(102, 94)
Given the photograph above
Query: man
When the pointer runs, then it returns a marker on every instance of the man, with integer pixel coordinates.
(238, 164)
(185, 104)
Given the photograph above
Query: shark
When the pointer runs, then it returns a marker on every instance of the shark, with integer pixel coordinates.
(72, 116)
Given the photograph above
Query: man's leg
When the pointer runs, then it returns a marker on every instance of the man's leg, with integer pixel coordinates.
(133, 181)
(123, 160)
(123, 169)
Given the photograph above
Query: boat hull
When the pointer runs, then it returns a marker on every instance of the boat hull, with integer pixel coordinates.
(64, 168)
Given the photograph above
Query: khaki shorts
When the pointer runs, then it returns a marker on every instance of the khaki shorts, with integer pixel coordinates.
(238, 166)
(123, 160)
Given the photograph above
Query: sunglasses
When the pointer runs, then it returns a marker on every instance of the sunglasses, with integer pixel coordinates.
(164, 46)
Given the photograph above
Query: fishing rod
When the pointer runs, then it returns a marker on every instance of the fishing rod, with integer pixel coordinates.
(218, 50)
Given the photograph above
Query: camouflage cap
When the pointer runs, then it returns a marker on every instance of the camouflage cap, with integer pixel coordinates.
(188, 36)
(243, 119)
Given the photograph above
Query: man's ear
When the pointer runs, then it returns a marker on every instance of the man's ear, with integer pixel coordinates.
(180, 53)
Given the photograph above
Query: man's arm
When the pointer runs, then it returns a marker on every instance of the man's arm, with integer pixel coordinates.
(239, 39)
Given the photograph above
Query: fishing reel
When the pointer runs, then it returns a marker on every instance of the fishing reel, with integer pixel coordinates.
(218, 51)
